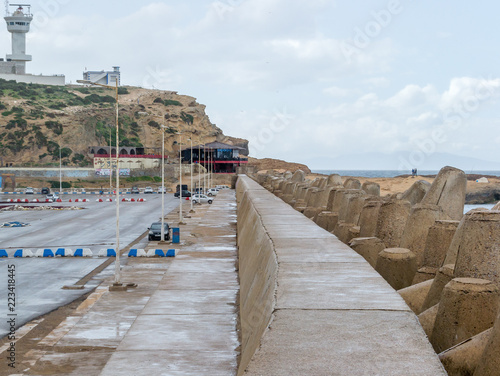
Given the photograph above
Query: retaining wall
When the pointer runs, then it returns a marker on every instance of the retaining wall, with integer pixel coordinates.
(310, 305)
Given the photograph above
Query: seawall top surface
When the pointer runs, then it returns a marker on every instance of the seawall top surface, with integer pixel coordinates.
(334, 314)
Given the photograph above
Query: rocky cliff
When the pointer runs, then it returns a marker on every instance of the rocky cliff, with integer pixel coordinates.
(38, 122)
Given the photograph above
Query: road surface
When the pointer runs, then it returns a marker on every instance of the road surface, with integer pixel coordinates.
(39, 281)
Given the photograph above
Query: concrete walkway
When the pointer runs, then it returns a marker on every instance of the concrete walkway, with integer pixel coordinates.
(181, 319)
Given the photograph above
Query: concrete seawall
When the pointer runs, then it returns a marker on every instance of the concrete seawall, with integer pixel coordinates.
(310, 305)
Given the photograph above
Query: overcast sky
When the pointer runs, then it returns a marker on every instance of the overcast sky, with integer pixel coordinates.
(306, 81)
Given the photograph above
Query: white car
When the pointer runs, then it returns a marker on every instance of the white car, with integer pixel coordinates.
(29, 191)
(162, 190)
(52, 197)
(202, 199)
(148, 190)
(212, 192)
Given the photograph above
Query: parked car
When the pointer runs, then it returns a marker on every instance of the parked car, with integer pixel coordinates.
(222, 187)
(29, 191)
(162, 190)
(202, 199)
(184, 194)
(148, 190)
(155, 231)
(45, 191)
(52, 197)
(198, 190)
(184, 187)
(212, 192)
(134, 190)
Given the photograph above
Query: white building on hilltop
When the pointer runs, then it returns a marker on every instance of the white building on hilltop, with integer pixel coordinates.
(14, 68)
(102, 77)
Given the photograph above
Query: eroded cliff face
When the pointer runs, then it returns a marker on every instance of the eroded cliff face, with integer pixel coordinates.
(39, 120)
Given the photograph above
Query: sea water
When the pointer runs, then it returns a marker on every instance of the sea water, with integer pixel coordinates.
(393, 173)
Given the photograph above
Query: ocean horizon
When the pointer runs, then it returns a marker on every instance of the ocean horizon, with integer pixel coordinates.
(393, 173)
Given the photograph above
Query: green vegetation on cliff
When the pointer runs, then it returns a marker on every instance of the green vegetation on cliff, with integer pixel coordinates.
(39, 123)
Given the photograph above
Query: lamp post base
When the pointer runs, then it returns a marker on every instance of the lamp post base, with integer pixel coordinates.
(118, 287)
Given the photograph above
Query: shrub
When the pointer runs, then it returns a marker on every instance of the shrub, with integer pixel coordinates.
(171, 102)
(186, 118)
(122, 91)
(154, 124)
(55, 126)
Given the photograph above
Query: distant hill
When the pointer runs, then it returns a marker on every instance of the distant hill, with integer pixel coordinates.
(38, 120)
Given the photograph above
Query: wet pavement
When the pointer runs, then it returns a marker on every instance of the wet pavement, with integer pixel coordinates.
(181, 319)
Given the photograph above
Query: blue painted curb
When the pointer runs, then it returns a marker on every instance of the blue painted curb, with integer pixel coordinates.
(18, 253)
(159, 252)
(170, 253)
(132, 253)
(110, 252)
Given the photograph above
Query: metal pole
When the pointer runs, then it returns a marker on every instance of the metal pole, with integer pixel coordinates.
(110, 164)
(206, 169)
(191, 139)
(117, 263)
(180, 178)
(60, 172)
(199, 169)
(162, 184)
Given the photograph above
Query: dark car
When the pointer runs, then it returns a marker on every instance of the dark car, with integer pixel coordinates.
(155, 231)
(134, 190)
(45, 191)
(184, 194)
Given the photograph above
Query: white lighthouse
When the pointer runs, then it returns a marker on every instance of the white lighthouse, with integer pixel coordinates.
(18, 18)
(18, 24)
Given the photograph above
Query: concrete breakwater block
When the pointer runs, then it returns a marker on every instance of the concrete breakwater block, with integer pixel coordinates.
(448, 191)
(369, 248)
(427, 319)
(416, 192)
(391, 221)
(352, 183)
(415, 295)
(64, 252)
(442, 278)
(422, 217)
(478, 254)
(371, 188)
(489, 364)
(436, 246)
(467, 307)
(464, 358)
(368, 218)
(23, 253)
(397, 266)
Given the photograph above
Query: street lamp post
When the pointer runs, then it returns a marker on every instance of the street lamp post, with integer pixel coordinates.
(60, 172)
(162, 183)
(110, 165)
(180, 179)
(191, 152)
(117, 285)
(199, 168)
